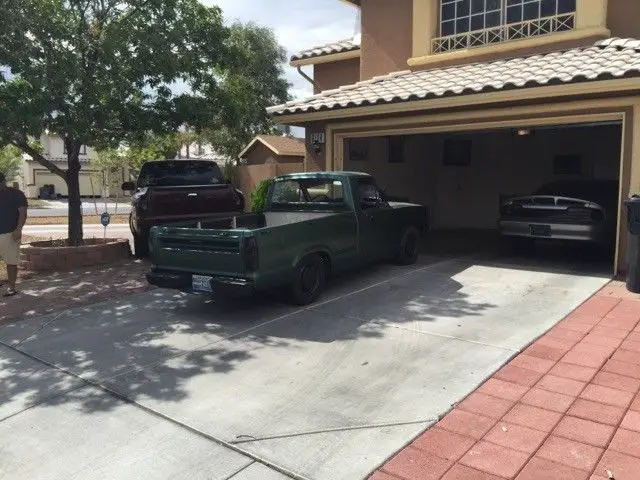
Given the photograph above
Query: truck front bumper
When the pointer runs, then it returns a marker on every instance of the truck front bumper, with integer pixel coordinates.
(227, 287)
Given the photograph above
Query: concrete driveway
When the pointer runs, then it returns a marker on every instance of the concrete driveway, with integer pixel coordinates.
(165, 385)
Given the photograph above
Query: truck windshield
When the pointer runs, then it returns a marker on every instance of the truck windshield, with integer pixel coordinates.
(179, 173)
(307, 193)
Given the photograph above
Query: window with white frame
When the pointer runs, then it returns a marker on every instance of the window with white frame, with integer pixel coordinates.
(475, 23)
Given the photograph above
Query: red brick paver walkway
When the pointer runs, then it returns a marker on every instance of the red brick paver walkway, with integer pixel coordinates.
(567, 408)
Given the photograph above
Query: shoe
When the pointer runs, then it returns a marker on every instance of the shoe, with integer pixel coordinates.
(11, 292)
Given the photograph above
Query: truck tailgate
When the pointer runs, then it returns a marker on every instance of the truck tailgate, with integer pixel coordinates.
(212, 252)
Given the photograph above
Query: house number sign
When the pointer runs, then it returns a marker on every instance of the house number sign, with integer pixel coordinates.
(317, 138)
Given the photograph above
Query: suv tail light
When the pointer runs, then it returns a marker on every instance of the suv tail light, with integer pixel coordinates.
(250, 254)
(141, 199)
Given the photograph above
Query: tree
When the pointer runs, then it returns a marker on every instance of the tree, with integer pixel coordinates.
(253, 84)
(10, 162)
(131, 157)
(102, 72)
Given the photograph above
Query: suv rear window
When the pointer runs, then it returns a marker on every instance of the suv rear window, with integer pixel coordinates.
(179, 173)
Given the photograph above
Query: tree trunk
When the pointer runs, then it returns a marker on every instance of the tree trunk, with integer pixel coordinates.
(73, 186)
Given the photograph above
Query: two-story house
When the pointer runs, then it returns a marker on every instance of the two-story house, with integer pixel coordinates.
(35, 176)
(458, 103)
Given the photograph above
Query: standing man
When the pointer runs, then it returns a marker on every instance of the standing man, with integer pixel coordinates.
(13, 215)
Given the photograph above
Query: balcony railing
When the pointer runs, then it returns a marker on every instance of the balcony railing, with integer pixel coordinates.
(504, 33)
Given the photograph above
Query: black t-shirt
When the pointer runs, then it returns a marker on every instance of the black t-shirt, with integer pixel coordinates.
(10, 201)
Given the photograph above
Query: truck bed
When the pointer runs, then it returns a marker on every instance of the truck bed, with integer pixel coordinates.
(254, 221)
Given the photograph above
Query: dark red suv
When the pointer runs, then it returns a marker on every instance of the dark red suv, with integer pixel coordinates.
(171, 191)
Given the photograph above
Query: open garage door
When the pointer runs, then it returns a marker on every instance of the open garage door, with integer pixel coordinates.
(43, 178)
(465, 178)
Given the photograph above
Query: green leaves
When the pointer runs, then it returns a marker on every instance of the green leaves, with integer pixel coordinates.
(255, 80)
(101, 71)
(10, 162)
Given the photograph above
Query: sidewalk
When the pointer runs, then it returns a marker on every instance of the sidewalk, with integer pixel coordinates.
(59, 291)
(567, 408)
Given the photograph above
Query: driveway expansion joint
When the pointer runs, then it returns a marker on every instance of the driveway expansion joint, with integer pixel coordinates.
(251, 439)
(153, 412)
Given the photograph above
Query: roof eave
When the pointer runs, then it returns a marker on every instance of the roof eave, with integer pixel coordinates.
(579, 88)
(327, 58)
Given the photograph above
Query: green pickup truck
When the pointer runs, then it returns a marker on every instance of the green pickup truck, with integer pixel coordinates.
(313, 225)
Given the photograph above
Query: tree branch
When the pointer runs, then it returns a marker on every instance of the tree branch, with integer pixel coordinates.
(48, 164)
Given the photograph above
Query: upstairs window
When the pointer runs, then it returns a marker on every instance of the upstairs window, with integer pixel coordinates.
(475, 23)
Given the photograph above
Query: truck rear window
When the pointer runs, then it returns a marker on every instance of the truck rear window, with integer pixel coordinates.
(179, 173)
(307, 192)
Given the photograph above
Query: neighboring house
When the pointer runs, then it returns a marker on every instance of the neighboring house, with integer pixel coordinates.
(35, 176)
(273, 149)
(457, 103)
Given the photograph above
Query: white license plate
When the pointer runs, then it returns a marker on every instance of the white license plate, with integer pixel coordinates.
(201, 283)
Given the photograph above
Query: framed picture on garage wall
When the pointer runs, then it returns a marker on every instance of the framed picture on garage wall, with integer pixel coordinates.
(357, 149)
(395, 149)
(456, 152)
(567, 164)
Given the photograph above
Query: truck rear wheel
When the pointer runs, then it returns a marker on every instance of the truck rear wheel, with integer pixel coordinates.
(409, 247)
(309, 280)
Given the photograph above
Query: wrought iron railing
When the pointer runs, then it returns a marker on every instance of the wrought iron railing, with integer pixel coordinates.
(504, 33)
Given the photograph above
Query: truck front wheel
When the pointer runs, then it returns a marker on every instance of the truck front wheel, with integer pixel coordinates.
(309, 280)
(409, 247)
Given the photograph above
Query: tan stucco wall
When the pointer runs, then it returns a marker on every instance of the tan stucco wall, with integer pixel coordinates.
(623, 18)
(387, 38)
(332, 75)
(502, 163)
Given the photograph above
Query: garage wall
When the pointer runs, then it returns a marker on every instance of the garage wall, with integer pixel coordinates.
(502, 163)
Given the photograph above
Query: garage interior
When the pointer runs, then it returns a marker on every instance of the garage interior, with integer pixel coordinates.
(463, 177)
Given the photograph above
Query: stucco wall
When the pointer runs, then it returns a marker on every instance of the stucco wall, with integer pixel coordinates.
(387, 38)
(332, 75)
(623, 18)
(502, 163)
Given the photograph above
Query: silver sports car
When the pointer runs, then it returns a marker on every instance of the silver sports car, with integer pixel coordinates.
(565, 210)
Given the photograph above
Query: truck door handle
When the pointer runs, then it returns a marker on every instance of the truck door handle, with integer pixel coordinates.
(192, 195)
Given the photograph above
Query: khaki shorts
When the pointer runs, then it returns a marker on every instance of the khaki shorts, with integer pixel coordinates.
(9, 249)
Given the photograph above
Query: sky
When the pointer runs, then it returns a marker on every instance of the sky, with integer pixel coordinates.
(298, 25)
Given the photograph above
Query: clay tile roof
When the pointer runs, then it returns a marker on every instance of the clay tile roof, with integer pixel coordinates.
(606, 59)
(329, 49)
(284, 146)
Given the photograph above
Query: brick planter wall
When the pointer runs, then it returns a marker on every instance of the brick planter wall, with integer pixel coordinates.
(41, 256)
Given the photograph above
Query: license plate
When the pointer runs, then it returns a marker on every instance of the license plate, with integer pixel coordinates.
(201, 283)
(540, 230)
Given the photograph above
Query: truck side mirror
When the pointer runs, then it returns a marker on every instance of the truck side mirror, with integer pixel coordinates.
(128, 187)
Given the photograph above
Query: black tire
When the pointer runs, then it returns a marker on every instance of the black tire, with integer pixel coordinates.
(140, 246)
(409, 247)
(309, 280)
